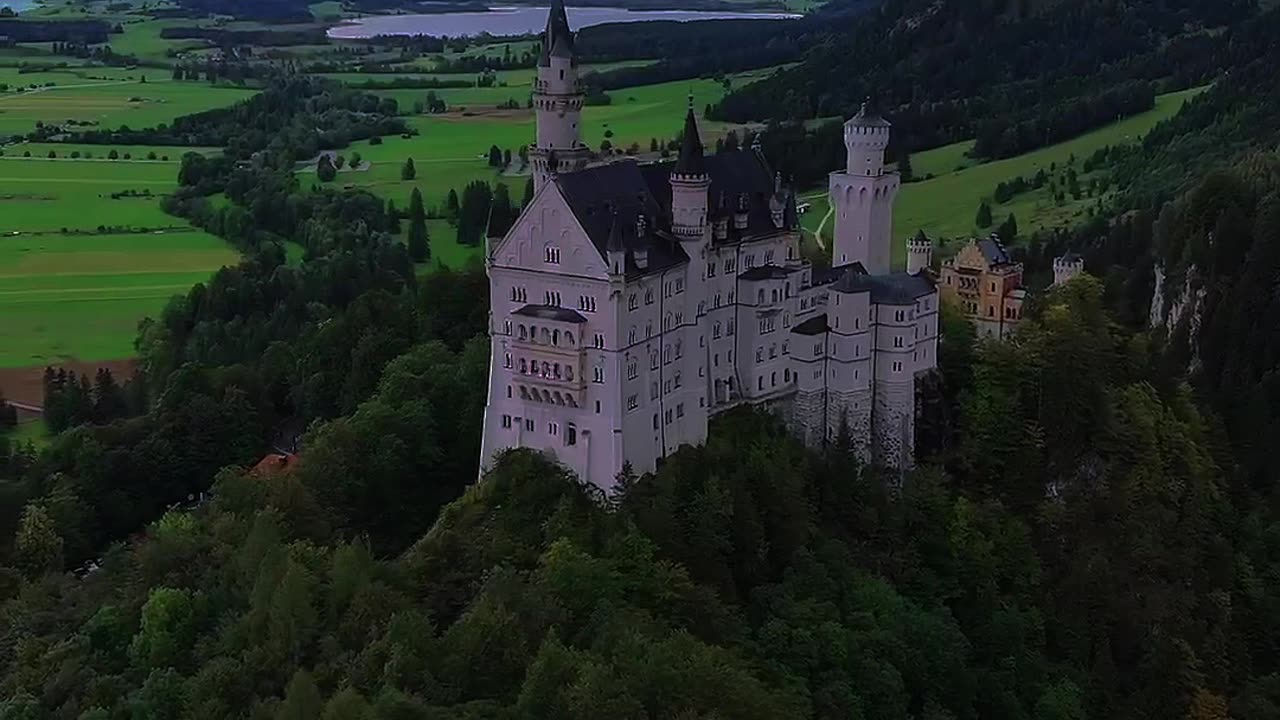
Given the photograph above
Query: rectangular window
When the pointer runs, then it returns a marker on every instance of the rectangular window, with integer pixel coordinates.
(711, 269)
(570, 435)
(632, 402)
(528, 425)
(506, 421)
(680, 410)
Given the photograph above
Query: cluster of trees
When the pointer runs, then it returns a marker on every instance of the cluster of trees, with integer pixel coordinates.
(942, 73)
(1013, 133)
(261, 37)
(295, 114)
(75, 32)
(70, 400)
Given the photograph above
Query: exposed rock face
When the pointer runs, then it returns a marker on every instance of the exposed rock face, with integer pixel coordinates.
(1171, 306)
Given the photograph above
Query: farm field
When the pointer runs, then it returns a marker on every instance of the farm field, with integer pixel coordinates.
(945, 206)
(112, 104)
(81, 294)
(69, 296)
(48, 196)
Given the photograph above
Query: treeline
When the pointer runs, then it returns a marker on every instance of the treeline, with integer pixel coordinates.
(280, 11)
(78, 32)
(71, 400)
(940, 71)
(1009, 135)
(225, 37)
(297, 115)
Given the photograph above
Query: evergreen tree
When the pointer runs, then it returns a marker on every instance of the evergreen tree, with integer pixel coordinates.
(419, 243)
(904, 165)
(528, 193)
(325, 170)
(495, 156)
(302, 699)
(983, 220)
(501, 213)
(8, 415)
(393, 217)
(452, 207)
(1008, 230)
(408, 171)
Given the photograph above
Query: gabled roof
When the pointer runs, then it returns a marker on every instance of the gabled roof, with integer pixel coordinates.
(551, 312)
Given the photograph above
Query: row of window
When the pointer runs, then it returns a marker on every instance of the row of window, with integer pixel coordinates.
(773, 379)
(773, 352)
(553, 428)
(548, 336)
(546, 370)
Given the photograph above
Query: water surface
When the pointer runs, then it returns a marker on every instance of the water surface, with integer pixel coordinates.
(521, 21)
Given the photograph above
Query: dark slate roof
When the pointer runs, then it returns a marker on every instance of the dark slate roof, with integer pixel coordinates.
(551, 312)
(557, 39)
(628, 191)
(690, 161)
(610, 200)
(826, 276)
(867, 117)
(993, 251)
(815, 325)
(897, 288)
(765, 272)
(1071, 256)
(893, 289)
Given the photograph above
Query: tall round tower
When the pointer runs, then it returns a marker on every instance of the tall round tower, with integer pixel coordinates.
(557, 102)
(862, 195)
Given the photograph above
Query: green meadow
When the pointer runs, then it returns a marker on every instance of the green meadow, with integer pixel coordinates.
(70, 291)
(111, 103)
(70, 296)
(946, 205)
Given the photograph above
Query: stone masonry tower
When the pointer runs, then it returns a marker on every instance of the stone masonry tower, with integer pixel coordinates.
(557, 100)
(919, 253)
(862, 195)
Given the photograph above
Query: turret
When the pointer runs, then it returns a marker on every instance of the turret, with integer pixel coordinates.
(866, 136)
(862, 195)
(919, 253)
(557, 102)
(1067, 267)
(689, 184)
(778, 203)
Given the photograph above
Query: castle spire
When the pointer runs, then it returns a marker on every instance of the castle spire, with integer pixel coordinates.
(690, 160)
(557, 39)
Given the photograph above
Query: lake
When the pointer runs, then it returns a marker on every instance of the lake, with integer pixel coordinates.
(521, 21)
(18, 5)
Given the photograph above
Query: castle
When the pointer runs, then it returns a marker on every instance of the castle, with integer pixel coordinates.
(631, 302)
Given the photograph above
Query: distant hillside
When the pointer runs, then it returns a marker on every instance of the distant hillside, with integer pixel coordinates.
(1009, 72)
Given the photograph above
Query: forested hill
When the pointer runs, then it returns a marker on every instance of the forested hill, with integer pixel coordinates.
(1011, 74)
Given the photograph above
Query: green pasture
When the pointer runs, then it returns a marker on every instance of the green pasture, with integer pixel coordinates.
(112, 104)
(141, 38)
(47, 196)
(946, 205)
(69, 296)
(451, 150)
(30, 431)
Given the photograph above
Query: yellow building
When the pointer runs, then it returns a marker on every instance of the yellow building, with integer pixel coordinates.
(986, 285)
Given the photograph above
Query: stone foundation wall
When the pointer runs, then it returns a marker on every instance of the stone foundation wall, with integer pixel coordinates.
(893, 423)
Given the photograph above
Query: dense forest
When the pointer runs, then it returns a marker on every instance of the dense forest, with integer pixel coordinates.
(1035, 72)
(1093, 531)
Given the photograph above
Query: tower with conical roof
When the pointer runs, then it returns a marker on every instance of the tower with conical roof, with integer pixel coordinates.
(557, 101)
(862, 195)
(689, 185)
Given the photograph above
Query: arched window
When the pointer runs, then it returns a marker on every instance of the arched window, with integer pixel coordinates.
(524, 367)
(523, 334)
(555, 337)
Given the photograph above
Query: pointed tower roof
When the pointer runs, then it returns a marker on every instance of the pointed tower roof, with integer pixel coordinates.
(690, 161)
(614, 243)
(557, 39)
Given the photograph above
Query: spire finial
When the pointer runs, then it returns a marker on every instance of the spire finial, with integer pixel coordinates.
(691, 100)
